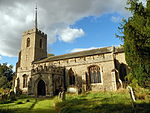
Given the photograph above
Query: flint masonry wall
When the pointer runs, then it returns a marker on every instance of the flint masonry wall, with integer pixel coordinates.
(80, 66)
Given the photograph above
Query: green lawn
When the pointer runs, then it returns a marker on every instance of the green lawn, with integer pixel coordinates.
(41, 105)
(103, 102)
(99, 102)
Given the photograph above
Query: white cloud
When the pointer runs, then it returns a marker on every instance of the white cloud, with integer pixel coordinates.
(82, 49)
(69, 34)
(116, 19)
(54, 18)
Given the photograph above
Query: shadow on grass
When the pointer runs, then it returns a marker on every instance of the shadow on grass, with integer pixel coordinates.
(33, 104)
(42, 111)
(86, 106)
(26, 111)
(30, 109)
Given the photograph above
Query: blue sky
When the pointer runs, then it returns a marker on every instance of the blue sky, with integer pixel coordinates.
(99, 32)
(76, 25)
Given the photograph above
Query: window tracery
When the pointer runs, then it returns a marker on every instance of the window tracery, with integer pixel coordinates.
(95, 74)
(25, 78)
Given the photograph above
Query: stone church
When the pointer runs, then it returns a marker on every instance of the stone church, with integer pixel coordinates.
(42, 74)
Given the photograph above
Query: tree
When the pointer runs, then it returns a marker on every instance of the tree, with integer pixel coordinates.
(136, 38)
(6, 75)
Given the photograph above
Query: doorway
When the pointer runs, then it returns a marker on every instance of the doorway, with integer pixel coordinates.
(41, 89)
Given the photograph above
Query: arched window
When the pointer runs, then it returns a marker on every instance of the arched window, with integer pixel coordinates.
(41, 43)
(95, 75)
(25, 79)
(71, 77)
(28, 42)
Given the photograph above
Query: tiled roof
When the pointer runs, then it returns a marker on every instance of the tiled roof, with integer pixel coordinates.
(82, 54)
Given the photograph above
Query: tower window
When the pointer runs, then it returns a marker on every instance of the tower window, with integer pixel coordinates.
(28, 42)
(95, 75)
(25, 78)
(41, 43)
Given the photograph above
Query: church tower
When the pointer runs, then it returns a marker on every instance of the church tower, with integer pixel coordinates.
(33, 48)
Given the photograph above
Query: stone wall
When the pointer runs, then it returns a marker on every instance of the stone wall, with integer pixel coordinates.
(80, 67)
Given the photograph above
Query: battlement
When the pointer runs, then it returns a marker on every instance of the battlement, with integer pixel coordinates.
(35, 30)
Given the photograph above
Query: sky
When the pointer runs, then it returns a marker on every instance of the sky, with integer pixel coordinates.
(71, 25)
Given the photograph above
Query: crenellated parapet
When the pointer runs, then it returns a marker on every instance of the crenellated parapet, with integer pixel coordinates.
(39, 32)
(48, 69)
(35, 30)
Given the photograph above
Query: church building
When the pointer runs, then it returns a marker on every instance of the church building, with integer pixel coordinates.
(40, 74)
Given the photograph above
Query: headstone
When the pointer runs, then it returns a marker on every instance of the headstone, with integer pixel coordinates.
(59, 95)
(79, 91)
(120, 81)
(63, 96)
(131, 93)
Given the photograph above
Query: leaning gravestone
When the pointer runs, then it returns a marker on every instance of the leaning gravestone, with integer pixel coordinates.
(131, 91)
(132, 95)
(59, 95)
(63, 96)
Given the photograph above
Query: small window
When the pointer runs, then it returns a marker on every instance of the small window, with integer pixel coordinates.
(41, 43)
(28, 42)
(95, 75)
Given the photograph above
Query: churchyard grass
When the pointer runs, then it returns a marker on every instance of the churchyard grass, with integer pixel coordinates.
(103, 102)
(40, 105)
(91, 102)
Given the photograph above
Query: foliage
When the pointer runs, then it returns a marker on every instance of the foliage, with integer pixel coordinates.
(136, 37)
(6, 75)
(3, 82)
(132, 81)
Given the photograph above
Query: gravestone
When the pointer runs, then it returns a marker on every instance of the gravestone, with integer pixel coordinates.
(59, 95)
(63, 96)
(132, 95)
(79, 91)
